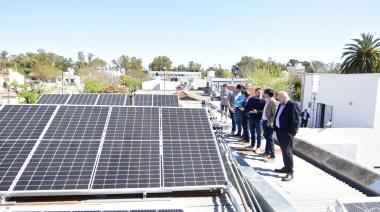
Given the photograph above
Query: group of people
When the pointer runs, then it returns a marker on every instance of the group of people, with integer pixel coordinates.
(262, 114)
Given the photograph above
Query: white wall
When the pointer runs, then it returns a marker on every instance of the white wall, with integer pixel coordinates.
(15, 76)
(159, 85)
(377, 106)
(338, 90)
(358, 144)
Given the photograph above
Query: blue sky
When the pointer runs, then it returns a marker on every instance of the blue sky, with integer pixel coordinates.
(204, 31)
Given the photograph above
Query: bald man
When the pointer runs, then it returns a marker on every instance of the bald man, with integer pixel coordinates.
(286, 125)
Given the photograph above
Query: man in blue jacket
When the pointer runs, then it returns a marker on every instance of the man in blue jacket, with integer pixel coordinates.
(255, 109)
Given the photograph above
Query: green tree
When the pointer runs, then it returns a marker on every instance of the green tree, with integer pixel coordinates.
(3, 60)
(81, 63)
(227, 74)
(159, 63)
(47, 72)
(30, 92)
(132, 84)
(363, 56)
(93, 87)
(182, 68)
(246, 63)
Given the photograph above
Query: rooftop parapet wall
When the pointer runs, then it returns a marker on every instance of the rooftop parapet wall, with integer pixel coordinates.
(354, 174)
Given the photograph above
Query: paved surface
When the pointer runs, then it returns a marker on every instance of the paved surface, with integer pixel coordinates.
(311, 190)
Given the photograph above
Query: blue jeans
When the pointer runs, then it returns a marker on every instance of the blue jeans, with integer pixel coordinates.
(244, 124)
(232, 114)
(238, 120)
(268, 135)
(255, 129)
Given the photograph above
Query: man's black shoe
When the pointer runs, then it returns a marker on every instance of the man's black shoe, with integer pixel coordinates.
(282, 170)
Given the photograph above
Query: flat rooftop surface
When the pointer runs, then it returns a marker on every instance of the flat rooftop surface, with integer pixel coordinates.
(311, 189)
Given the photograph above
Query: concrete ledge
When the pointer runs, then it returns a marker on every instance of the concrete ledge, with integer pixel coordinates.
(270, 200)
(354, 174)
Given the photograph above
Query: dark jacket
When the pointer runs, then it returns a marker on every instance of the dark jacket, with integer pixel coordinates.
(257, 104)
(307, 116)
(289, 119)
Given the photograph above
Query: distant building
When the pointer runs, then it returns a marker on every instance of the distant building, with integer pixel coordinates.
(298, 68)
(11, 75)
(69, 78)
(342, 100)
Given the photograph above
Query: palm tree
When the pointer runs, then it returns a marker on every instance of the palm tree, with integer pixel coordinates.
(362, 57)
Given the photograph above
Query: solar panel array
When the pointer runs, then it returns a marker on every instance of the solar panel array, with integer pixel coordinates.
(190, 156)
(20, 128)
(60, 99)
(110, 99)
(130, 156)
(73, 149)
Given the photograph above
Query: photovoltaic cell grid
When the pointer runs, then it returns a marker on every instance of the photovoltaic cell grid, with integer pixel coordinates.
(24, 121)
(65, 157)
(13, 155)
(130, 156)
(111, 99)
(190, 155)
(60, 165)
(165, 100)
(186, 124)
(78, 123)
(133, 123)
(143, 100)
(20, 127)
(53, 99)
(82, 99)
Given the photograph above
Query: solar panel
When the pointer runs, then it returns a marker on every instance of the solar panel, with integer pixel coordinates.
(165, 100)
(24, 121)
(128, 100)
(78, 123)
(82, 99)
(190, 155)
(130, 156)
(13, 155)
(20, 127)
(53, 99)
(60, 165)
(111, 99)
(65, 157)
(143, 100)
(186, 124)
(133, 123)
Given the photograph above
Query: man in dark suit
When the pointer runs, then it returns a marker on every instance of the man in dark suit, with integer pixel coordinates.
(304, 118)
(286, 125)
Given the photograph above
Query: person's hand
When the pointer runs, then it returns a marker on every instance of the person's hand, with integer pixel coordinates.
(241, 108)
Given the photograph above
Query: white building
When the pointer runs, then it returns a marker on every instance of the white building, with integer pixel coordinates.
(216, 83)
(298, 68)
(345, 100)
(189, 80)
(69, 78)
(11, 75)
(158, 84)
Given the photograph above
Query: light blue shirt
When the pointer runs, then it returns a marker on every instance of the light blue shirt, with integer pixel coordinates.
(239, 101)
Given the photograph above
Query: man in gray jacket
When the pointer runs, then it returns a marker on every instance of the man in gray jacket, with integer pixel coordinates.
(268, 118)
